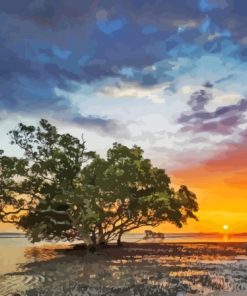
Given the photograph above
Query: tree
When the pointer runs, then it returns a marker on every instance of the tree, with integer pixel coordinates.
(38, 191)
(13, 198)
(58, 190)
(131, 193)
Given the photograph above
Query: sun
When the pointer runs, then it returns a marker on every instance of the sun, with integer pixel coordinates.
(225, 227)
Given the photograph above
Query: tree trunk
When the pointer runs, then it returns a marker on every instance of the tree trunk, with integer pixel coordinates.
(93, 238)
(102, 241)
(101, 238)
(119, 239)
(92, 247)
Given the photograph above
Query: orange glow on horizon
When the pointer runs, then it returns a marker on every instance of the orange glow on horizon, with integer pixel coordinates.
(221, 187)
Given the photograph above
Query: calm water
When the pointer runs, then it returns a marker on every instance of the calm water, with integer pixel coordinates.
(168, 269)
(13, 250)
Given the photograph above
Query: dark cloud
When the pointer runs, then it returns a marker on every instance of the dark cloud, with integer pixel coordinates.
(233, 17)
(106, 126)
(48, 105)
(208, 84)
(226, 78)
(57, 44)
(107, 31)
(49, 13)
(199, 99)
(222, 121)
(35, 60)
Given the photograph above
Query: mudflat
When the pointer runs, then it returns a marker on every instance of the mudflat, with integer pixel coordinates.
(134, 269)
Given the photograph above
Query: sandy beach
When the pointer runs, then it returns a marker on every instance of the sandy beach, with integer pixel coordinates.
(134, 269)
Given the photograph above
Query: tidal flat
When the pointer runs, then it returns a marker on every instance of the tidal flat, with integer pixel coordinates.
(135, 269)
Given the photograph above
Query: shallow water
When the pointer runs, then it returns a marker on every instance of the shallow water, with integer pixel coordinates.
(12, 252)
(139, 269)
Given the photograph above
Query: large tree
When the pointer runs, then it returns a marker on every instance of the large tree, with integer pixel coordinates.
(58, 190)
(131, 192)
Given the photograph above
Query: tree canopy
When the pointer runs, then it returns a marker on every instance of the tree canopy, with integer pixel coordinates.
(59, 190)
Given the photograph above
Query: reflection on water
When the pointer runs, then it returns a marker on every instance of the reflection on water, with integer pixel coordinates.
(137, 269)
(191, 237)
(11, 253)
(226, 238)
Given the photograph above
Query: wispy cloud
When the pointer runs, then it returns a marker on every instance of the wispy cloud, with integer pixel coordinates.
(156, 93)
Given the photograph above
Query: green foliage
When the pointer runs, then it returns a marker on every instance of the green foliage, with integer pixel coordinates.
(47, 177)
(130, 193)
(58, 190)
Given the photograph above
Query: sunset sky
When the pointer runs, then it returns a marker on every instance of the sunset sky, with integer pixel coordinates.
(167, 75)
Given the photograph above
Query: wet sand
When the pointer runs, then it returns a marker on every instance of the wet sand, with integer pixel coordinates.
(134, 269)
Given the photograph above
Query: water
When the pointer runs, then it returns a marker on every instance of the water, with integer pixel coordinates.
(189, 237)
(192, 267)
(12, 252)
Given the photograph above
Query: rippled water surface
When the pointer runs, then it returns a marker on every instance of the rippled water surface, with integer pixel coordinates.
(135, 269)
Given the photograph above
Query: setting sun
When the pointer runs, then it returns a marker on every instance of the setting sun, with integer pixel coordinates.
(225, 227)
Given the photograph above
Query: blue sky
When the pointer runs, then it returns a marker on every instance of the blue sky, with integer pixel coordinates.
(168, 75)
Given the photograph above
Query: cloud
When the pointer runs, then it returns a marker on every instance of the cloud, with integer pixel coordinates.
(59, 108)
(33, 67)
(133, 90)
(111, 35)
(49, 45)
(223, 120)
(104, 126)
(233, 158)
(234, 20)
(208, 84)
(199, 99)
